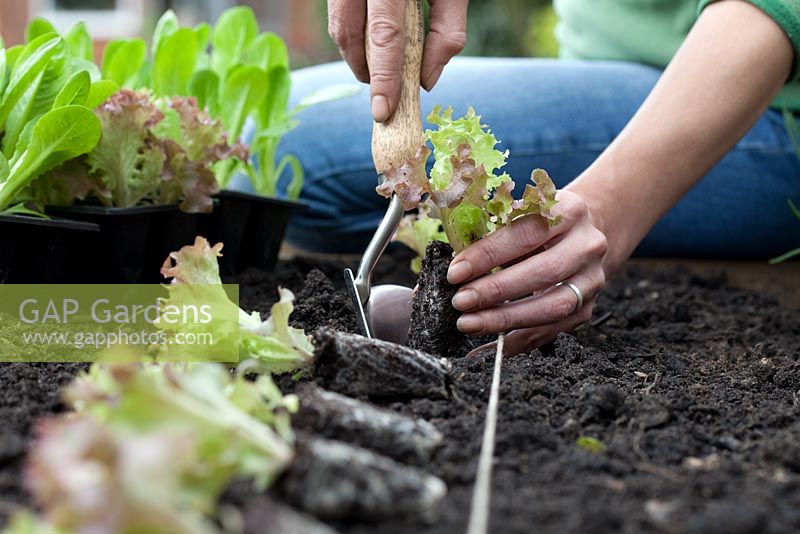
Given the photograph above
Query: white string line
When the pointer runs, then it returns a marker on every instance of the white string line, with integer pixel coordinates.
(481, 496)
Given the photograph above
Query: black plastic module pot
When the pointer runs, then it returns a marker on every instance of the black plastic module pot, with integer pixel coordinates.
(133, 242)
(252, 227)
(42, 251)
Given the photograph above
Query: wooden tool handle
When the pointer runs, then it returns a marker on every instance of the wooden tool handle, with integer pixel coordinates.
(397, 140)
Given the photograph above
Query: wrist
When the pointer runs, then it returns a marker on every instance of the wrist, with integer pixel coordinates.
(605, 212)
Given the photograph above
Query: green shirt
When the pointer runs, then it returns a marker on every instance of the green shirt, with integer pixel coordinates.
(650, 31)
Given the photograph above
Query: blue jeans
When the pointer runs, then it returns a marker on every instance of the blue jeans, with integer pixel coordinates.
(559, 116)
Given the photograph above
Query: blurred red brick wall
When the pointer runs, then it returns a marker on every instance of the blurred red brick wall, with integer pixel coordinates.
(300, 22)
(13, 19)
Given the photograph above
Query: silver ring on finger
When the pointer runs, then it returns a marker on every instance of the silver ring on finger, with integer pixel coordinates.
(576, 290)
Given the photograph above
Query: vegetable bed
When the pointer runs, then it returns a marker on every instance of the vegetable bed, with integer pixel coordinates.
(679, 411)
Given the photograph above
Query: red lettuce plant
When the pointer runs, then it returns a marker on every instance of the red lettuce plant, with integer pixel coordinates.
(154, 151)
(150, 447)
(463, 193)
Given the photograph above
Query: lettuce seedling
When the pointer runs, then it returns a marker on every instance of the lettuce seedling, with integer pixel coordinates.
(417, 231)
(272, 122)
(45, 88)
(86, 477)
(60, 135)
(157, 151)
(255, 80)
(238, 76)
(272, 343)
(151, 447)
(464, 192)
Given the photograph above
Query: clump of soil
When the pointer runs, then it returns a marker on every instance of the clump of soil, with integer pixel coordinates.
(360, 367)
(319, 304)
(337, 480)
(339, 417)
(433, 319)
(266, 514)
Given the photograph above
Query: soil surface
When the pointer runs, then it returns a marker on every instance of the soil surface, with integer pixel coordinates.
(689, 388)
(27, 392)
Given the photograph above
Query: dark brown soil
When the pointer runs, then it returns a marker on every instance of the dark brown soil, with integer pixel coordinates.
(692, 388)
(319, 304)
(27, 392)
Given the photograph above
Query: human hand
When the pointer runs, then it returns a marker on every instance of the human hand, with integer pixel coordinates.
(384, 21)
(522, 299)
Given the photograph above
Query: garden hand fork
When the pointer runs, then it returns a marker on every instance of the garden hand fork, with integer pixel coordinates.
(385, 311)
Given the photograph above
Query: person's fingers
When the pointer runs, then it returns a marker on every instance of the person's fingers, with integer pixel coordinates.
(447, 37)
(518, 239)
(582, 246)
(346, 23)
(500, 248)
(520, 341)
(527, 339)
(386, 34)
(547, 308)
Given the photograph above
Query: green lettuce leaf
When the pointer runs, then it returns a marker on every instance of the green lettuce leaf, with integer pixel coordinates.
(5, 71)
(234, 32)
(59, 136)
(75, 91)
(416, 231)
(266, 402)
(122, 61)
(242, 91)
(29, 209)
(204, 85)
(174, 63)
(166, 26)
(448, 137)
(99, 92)
(203, 32)
(38, 27)
(79, 42)
(279, 347)
(35, 81)
(273, 344)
